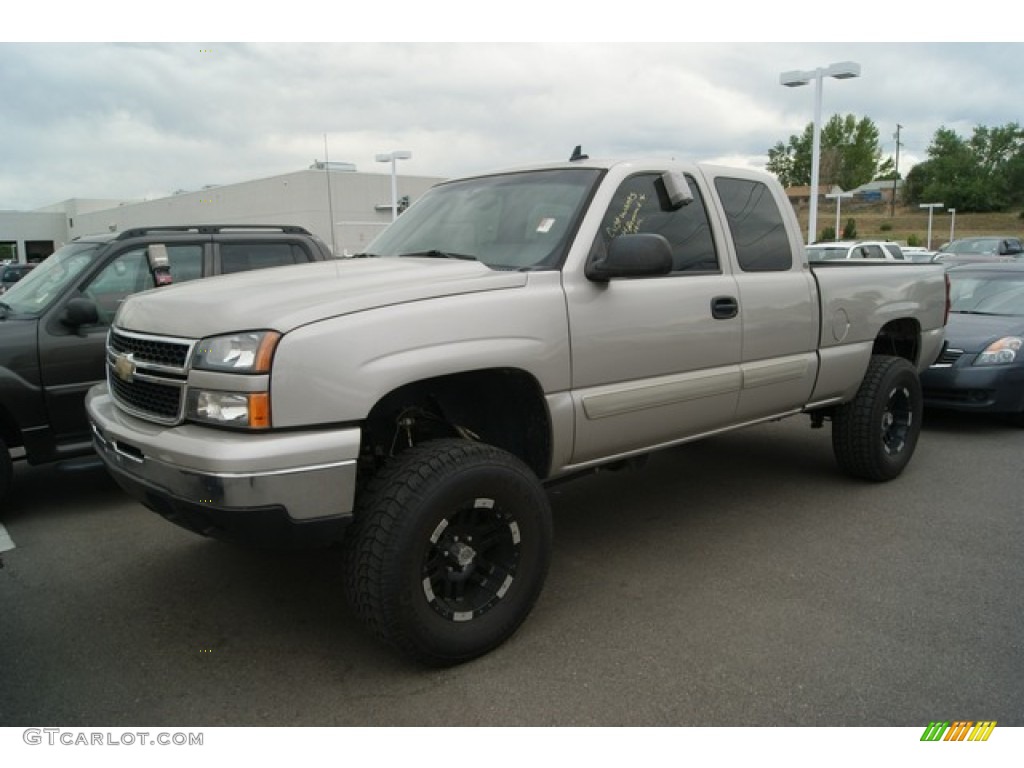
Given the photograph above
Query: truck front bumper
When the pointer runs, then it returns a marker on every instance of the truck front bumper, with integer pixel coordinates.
(276, 489)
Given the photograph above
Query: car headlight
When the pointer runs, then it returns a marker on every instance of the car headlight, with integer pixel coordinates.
(1000, 352)
(248, 410)
(249, 352)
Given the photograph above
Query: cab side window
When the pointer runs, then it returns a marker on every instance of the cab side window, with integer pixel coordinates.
(755, 222)
(242, 257)
(126, 274)
(640, 206)
(129, 273)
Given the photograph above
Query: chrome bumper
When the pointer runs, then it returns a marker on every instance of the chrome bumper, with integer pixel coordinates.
(310, 475)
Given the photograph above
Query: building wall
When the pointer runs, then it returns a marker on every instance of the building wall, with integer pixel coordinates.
(359, 205)
(21, 227)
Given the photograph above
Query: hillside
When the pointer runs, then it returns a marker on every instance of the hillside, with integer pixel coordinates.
(874, 222)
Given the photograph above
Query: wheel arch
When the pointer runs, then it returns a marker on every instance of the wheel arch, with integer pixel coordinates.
(504, 407)
(899, 338)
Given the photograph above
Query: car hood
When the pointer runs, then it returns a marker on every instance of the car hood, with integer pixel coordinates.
(972, 333)
(284, 298)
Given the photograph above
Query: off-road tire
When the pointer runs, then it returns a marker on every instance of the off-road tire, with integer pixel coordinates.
(874, 435)
(449, 550)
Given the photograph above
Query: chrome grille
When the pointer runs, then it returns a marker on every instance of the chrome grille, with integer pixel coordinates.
(948, 358)
(170, 353)
(147, 374)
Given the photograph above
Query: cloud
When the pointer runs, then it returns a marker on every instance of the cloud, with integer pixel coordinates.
(132, 120)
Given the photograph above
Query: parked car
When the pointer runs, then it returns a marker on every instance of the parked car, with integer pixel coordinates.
(982, 366)
(12, 273)
(877, 250)
(54, 322)
(996, 248)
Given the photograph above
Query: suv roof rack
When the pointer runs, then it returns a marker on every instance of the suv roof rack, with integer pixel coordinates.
(213, 229)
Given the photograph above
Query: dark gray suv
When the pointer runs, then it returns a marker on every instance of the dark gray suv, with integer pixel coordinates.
(54, 321)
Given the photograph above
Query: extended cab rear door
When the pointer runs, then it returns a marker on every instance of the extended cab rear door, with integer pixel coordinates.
(778, 297)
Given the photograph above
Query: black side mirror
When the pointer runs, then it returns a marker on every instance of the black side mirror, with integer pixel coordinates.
(79, 312)
(640, 255)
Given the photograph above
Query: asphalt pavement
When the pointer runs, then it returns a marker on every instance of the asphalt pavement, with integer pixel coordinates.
(737, 581)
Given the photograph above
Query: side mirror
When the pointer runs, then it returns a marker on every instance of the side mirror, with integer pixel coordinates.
(640, 255)
(79, 312)
(159, 263)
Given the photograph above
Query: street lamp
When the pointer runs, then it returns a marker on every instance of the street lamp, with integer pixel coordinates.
(952, 223)
(842, 70)
(393, 158)
(931, 209)
(838, 197)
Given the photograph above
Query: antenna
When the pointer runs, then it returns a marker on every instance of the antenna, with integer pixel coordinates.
(330, 202)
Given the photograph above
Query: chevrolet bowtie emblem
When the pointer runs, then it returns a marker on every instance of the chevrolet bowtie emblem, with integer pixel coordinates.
(124, 368)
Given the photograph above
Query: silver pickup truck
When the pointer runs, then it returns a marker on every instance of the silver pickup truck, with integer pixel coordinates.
(507, 330)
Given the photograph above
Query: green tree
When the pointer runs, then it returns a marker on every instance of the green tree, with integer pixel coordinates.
(982, 173)
(850, 154)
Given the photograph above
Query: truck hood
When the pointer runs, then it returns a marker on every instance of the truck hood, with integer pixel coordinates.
(285, 298)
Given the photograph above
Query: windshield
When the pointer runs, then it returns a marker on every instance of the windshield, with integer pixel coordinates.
(975, 245)
(34, 292)
(996, 294)
(512, 221)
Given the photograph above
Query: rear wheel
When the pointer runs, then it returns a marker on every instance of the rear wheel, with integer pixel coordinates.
(875, 434)
(449, 550)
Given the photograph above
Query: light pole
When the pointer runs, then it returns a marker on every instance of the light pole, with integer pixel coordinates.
(393, 158)
(952, 223)
(842, 70)
(838, 197)
(931, 209)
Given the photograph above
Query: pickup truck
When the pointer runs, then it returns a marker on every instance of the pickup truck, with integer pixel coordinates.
(54, 322)
(508, 330)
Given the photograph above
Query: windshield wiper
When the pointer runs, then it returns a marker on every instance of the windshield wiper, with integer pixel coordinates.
(436, 254)
(5, 309)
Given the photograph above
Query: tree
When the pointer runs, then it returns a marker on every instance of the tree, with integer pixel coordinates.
(850, 155)
(983, 173)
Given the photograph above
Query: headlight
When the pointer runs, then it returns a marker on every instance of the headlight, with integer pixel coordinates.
(249, 410)
(249, 352)
(1000, 352)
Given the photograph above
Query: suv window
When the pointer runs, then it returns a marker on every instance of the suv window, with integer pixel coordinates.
(638, 208)
(758, 231)
(129, 273)
(243, 257)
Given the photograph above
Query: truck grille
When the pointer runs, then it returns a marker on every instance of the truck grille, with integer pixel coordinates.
(147, 374)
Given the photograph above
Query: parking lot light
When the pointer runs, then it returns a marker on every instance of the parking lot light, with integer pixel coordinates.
(393, 158)
(842, 70)
(931, 210)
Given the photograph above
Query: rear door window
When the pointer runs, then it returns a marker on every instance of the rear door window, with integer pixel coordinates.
(242, 257)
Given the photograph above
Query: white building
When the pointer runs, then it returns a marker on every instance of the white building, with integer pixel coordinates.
(345, 208)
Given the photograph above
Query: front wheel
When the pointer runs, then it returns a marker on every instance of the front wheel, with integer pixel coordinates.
(449, 550)
(874, 435)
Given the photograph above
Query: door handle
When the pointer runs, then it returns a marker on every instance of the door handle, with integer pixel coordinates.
(724, 307)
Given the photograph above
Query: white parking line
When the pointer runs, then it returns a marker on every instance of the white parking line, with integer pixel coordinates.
(6, 542)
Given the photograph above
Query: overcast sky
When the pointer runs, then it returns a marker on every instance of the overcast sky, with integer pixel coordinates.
(140, 121)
